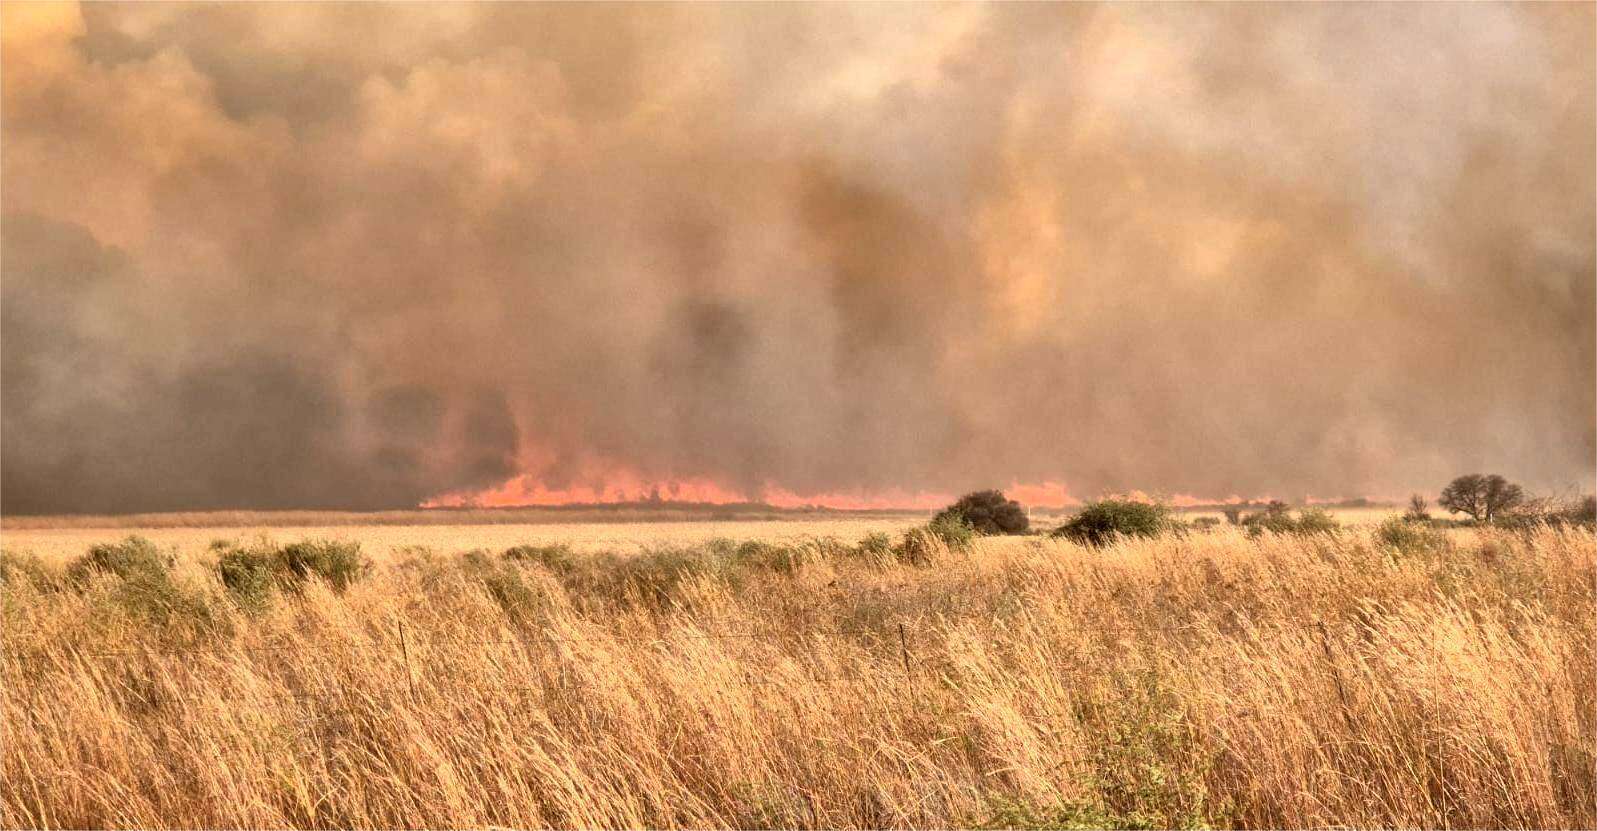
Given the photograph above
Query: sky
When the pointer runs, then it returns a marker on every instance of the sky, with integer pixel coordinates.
(363, 255)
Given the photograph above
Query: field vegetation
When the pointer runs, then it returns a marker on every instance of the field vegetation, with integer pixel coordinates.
(1399, 674)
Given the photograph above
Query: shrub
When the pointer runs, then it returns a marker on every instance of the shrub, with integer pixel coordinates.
(989, 513)
(1277, 519)
(778, 557)
(1101, 522)
(158, 600)
(1579, 513)
(1205, 523)
(27, 569)
(876, 547)
(655, 575)
(1316, 521)
(557, 557)
(954, 532)
(1408, 537)
(944, 534)
(505, 584)
(131, 558)
(339, 563)
(1583, 511)
(249, 574)
(1417, 510)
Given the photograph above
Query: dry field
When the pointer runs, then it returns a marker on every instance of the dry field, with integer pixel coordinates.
(383, 542)
(381, 534)
(1212, 679)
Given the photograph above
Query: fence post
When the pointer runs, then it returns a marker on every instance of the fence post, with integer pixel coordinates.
(404, 651)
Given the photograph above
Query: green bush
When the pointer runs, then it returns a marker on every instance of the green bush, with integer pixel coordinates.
(1409, 537)
(988, 512)
(945, 533)
(251, 572)
(1103, 521)
(158, 600)
(131, 558)
(1277, 518)
(557, 557)
(339, 563)
(875, 548)
(1316, 521)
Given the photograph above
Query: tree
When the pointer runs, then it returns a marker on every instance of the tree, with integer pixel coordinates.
(988, 512)
(1481, 497)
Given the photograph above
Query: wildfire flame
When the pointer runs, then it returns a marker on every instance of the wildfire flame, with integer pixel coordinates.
(627, 486)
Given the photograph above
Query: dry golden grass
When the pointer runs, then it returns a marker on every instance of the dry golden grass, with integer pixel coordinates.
(382, 541)
(1210, 679)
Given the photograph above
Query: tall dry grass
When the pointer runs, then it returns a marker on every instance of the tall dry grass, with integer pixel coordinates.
(1211, 679)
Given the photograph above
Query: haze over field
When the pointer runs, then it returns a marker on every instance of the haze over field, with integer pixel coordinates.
(359, 256)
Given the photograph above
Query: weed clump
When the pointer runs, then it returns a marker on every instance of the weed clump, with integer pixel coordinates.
(1104, 521)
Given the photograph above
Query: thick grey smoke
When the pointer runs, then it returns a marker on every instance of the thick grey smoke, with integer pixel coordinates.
(356, 255)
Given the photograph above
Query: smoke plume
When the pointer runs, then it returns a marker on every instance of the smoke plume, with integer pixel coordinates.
(356, 255)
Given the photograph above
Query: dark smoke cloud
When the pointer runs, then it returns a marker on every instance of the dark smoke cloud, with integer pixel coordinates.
(352, 255)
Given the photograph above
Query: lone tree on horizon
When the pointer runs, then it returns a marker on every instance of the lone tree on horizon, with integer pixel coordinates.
(1480, 496)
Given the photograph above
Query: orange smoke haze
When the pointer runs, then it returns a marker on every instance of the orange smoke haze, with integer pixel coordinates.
(874, 255)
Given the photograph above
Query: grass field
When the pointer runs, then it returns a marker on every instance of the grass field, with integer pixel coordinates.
(1439, 679)
(586, 529)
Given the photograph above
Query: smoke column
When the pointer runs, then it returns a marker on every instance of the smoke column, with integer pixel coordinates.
(351, 255)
